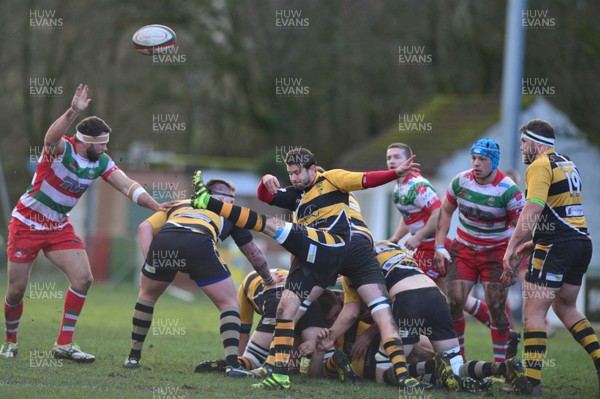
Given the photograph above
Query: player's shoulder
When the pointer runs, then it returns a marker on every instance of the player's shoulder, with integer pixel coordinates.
(333, 173)
(462, 178)
(541, 164)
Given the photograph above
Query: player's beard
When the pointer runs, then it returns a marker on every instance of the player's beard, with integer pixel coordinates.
(92, 155)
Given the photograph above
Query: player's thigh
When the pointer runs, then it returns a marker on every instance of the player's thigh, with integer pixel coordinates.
(151, 290)
(73, 262)
(458, 292)
(495, 296)
(223, 294)
(370, 292)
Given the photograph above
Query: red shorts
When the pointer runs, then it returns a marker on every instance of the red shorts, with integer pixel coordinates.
(424, 255)
(476, 265)
(24, 243)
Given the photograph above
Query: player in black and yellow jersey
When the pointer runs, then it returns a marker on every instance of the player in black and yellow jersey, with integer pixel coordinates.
(318, 242)
(254, 296)
(421, 310)
(552, 229)
(185, 239)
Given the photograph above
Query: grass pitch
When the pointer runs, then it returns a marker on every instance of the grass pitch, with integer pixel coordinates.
(183, 334)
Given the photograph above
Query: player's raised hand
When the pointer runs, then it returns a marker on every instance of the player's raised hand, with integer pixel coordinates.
(80, 99)
(407, 167)
(271, 183)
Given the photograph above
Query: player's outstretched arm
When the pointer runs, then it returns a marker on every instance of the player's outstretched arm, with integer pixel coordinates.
(132, 189)
(53, 142)
(257, 259)
(380, 177)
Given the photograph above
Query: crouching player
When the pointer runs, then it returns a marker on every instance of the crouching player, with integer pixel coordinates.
(254, 296)
(421, 309)
(191, 236)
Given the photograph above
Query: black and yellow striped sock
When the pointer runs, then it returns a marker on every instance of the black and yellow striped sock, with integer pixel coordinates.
(395, 351)
(421, 368)
(478, 369)
(330, 369)
(535, 350)
(240, 216)
(583, 332)
(270, 362)
(142, 320)
(245, 362)
(230, 335)
(283, 340)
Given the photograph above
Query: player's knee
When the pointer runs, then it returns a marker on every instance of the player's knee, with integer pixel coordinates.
(15, 293)
(456, 306)
(83, 283)
(288, 305)
(562, 307)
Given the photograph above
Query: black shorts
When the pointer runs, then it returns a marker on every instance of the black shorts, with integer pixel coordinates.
(360, 264)
(317, 251)
(184, 251)
(271, 299)
(563, 262)
(423, 311)
(301, 279)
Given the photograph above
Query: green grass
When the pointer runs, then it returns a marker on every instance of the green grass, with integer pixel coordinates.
(169, 360)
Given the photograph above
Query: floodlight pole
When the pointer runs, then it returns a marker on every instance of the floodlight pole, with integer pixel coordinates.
(514, 49)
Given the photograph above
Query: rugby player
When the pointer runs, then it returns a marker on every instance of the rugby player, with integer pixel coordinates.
(317, 241)
(254, 296)
(66, 168)
(552, 230)
(185, 239)
(418, 203)
(488, 203)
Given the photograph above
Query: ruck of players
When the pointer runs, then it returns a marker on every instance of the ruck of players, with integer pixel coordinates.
(349, 305)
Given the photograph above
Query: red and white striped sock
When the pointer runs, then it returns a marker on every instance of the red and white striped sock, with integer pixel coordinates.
(73, 304)
(480, 312)
(12, 316)
(460, 325)
(500, 336)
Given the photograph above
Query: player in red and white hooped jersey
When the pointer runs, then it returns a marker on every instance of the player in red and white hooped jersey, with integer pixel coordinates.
(489, 203)
(67, 167)
(418, 203)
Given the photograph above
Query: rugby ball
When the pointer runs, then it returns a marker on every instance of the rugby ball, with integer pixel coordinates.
(154, 39)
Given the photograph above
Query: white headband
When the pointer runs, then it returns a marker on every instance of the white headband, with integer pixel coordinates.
(537, 138)
(101, 139)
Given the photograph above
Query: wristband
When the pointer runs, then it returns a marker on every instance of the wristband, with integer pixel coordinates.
(439, 247)
(268, 281)
(134, 191)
